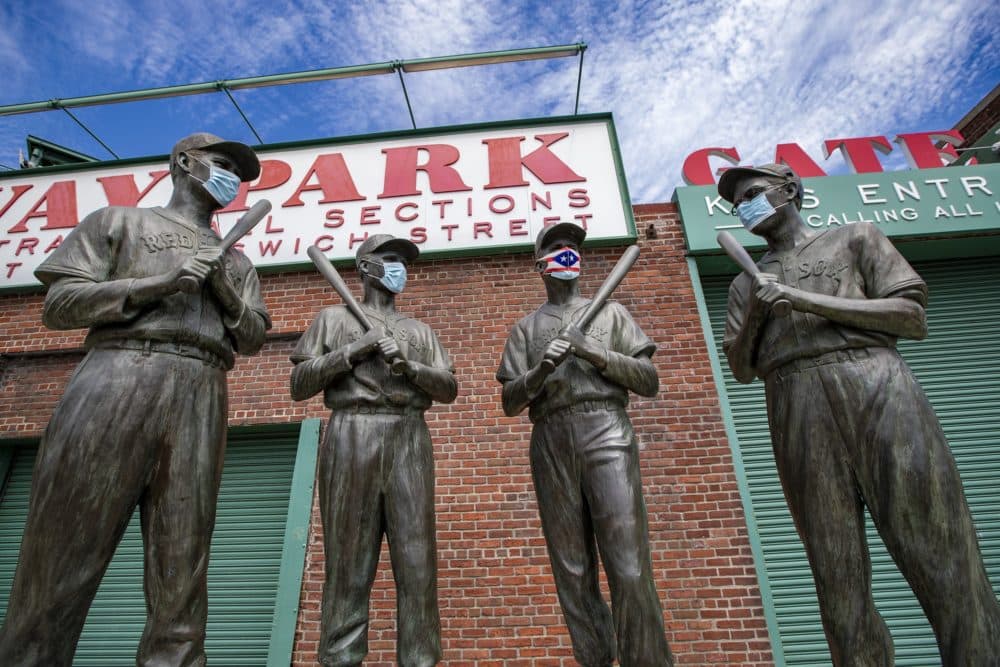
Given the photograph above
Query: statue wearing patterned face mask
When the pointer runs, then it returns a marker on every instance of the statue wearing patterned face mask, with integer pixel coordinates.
(585, 458)
(376, 471)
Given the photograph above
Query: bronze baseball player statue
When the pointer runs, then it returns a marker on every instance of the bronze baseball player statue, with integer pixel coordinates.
(585, 458)
(379, 371)
(143, 419)
(851, 427)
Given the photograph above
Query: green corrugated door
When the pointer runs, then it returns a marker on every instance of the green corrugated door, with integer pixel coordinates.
(243, 571)
(959, 368)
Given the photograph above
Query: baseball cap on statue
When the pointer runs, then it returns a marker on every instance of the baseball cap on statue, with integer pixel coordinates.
(242, 155)
(387, 242)
(730, 177)
(563, 230)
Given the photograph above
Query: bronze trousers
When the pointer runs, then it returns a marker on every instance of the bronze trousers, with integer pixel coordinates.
(131, 429)
(376, 478)
(585, 465)
(854, 429)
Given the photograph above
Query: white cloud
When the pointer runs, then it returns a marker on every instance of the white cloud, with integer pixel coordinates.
(678, 76)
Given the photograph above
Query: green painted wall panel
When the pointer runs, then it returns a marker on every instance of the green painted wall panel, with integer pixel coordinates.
(243, 571)
(958, 366)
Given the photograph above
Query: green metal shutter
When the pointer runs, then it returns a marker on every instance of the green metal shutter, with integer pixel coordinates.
(959, 368)
(243, 572)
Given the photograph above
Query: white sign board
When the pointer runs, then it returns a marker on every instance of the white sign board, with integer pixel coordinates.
(472, 190)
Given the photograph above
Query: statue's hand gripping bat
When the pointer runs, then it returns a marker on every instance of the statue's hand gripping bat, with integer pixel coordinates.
(609, 285)
(190, 284)
(328, 271)
(739, 254)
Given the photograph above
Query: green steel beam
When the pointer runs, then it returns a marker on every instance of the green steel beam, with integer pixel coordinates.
(200, 88)
(491, 57)
(417, 65)
(293, 553)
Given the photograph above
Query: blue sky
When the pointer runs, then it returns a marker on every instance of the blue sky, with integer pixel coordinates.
(678, 76)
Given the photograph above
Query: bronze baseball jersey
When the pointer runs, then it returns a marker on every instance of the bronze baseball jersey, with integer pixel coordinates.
(855, 262)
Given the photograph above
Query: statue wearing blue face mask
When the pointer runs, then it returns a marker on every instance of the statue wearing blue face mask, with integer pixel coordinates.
(850, 426)
(221, 183)
(376, 471)
(394, 276)
(154, 392)
(758, 209)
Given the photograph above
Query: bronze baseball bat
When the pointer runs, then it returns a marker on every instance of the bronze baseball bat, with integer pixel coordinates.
(739, 254)
(602, 295)
(328, 271)
(190, 284)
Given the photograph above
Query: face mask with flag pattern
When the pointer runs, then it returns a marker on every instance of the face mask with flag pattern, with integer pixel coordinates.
(562, 263)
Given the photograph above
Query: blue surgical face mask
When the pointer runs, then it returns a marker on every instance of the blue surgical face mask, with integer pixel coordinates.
(756, 211)
(221, 184)
(394, 278)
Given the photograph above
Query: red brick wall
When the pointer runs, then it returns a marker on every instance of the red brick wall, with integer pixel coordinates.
(974, 128)
(497, 599)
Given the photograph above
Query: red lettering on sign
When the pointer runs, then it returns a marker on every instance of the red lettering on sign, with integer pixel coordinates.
(406, 218)
(368, 215)
(482, 228)
(583, 218)
(272, 174)
(923, 153)
(696, 169)
(793, 156)
(441, 204)
(10, 268)
(122, 191)
(449, 229)
(507, 164)
(332, 177)
(268, 229)
(324, 240)
(401, 169)
(18, 190)
(418, 235)
(356, 239)
(536, 200)
(26, 244)
(59, 211)
(578, 198)
(517, 227)
(507, 207)
(335, 218)
(55, 244)
(859, 152)
(269, 247)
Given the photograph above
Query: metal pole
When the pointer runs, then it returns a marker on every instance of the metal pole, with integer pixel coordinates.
(87, 130)
(246, 120)
(579, 78)
(406, 95)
